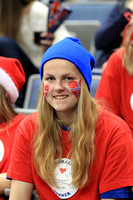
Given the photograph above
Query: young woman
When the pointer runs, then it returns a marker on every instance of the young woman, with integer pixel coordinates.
(12, 79)
(71, 148)
(116, 85)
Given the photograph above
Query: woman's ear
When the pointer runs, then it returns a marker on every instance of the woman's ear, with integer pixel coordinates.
(6, 95)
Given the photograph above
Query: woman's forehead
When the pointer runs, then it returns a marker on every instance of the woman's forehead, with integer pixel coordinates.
(59, 63)
(60, 66)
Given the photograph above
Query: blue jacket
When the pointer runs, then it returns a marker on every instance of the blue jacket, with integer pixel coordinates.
(109, 37)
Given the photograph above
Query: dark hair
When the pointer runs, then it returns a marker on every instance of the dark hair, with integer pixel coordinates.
(10, 15)
(25, 2)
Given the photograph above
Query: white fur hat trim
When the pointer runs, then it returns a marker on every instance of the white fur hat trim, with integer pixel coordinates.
(8, 84)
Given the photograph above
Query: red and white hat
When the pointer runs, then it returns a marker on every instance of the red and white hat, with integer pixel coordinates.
(12, 76)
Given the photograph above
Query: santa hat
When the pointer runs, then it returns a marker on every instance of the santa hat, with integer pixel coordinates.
(12, 76)
(71, 49)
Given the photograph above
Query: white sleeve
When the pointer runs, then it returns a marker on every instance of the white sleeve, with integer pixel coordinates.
(39, 16)
(61, 33)
(39, 20)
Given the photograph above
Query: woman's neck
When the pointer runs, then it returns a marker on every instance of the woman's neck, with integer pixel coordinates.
(66, 119)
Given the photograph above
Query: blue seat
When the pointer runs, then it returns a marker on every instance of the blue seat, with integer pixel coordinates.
(32, 91)
(84, 30)
(94, 84)
(90, 11)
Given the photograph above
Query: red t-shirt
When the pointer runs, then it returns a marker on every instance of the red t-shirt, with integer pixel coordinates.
(7, 134)
(112, 167)
(116, 88)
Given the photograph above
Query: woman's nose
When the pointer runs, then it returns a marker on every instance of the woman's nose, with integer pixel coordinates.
(59, 85)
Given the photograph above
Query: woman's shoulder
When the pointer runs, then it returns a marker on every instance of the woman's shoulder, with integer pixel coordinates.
(31, 118)
(115, 63)
(109, 123)
(118, 53)
(29, 122)
(17, 119)
(27, 127)
(117, 57)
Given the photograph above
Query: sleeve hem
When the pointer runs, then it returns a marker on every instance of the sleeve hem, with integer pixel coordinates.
(19, 177)
(116, 185)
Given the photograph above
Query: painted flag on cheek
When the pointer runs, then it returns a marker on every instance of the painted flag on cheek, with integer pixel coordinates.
(75, 87)
(45, 89)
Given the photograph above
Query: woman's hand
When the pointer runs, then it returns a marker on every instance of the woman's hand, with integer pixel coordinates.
(46, 40)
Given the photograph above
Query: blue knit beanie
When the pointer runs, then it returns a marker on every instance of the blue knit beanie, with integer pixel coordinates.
(71, 49)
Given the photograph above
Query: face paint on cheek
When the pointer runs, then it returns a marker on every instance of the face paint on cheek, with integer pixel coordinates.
(75, 87)
(45, 89)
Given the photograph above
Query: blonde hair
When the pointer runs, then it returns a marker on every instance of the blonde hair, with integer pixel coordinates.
(128, 56)
(129, 4)
(48, 142)
(7, 112)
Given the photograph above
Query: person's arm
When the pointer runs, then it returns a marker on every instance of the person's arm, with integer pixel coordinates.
(4, 183)
(21, 190)
(113, 199)
(46, 40)
(39, 19)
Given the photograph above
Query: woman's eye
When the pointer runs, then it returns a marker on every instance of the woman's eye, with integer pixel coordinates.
(50, 79)
(69, 78)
